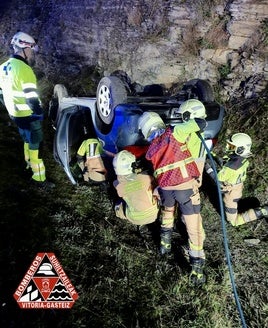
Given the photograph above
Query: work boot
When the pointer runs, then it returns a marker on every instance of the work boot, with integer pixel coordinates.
(165, 241)
(197, 276)
(262, 212)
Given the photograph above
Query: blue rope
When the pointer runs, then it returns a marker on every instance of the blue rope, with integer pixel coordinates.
(225, 237)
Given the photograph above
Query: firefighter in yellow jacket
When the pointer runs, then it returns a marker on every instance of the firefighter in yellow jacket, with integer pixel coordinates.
(89, 158)
(186, 111)
(177, 174)
(18, 84)
(139, 205)
(232, 176)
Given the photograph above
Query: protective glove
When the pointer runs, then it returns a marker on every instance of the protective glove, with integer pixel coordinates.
(224, 189)
(209, 170)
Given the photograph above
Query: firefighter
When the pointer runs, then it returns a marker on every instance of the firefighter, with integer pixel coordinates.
(18, 84)
(232, 176)
(191, 109)
(177, 175)
(139, 204)
(89, 158)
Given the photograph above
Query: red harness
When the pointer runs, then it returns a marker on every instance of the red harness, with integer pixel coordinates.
(172, 161)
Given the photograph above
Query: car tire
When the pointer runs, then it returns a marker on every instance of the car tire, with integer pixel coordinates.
(111, 92)
(153, 90)
(126, 80)
(59, 92)
(200, 89)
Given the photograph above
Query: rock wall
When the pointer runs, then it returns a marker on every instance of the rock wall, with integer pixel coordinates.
(154, 41)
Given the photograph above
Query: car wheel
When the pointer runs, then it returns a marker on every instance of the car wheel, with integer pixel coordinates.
(200, 89)
(153, 90)
(126, 80)
(110, 93)
(59, 92)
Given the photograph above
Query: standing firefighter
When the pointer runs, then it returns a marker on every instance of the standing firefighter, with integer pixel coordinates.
(177, 175)
(139, 206)
(18, 84)
(232, 176)
(191, 109)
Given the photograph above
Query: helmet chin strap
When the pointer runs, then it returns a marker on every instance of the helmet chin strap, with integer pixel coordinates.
(25, 56)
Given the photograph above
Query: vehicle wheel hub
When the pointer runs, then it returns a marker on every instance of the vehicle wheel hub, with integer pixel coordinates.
(104, 101)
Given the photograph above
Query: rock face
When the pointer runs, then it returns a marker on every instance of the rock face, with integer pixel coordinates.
(156, 41)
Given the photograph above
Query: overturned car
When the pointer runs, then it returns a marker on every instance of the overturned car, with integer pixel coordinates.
(112, 116)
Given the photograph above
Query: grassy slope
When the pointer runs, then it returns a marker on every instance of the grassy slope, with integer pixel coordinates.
(120, 278)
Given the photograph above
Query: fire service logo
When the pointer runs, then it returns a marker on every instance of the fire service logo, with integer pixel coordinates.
(45, 285)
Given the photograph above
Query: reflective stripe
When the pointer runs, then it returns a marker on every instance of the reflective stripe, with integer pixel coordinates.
(248, 216)
(38, 168)
(96, 156)
(23, 107)
(92, 149)
(180, 164)
(17, 93)
(31, 94)
(152, 211)
(29, 85)
(183, 147)
(236, 220)
(40, 172)
(200, 159)
(25, 94)
(197, 253)
(167, 222)
(230, 210)
(195, 247)
(202, 151)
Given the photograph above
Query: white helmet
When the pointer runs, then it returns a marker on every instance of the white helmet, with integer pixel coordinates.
(191, 109)
(240, 144)
(22, 40)
(149, 122)
(123, 161)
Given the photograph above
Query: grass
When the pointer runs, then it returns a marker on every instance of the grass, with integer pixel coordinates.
(121, 279)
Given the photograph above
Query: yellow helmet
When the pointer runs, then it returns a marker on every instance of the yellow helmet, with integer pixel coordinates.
(192, 108)
(240, 144)
(149, 122)
(123, 161)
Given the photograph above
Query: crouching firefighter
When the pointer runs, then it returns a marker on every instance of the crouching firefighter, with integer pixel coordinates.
(232, 176)
(90, 161)
(138, 204)
(177, 175)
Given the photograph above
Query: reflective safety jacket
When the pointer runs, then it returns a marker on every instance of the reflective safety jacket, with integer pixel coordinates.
(137, 192)
(234, 170)
(172, 160)
(18, 83)
(90, 152)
